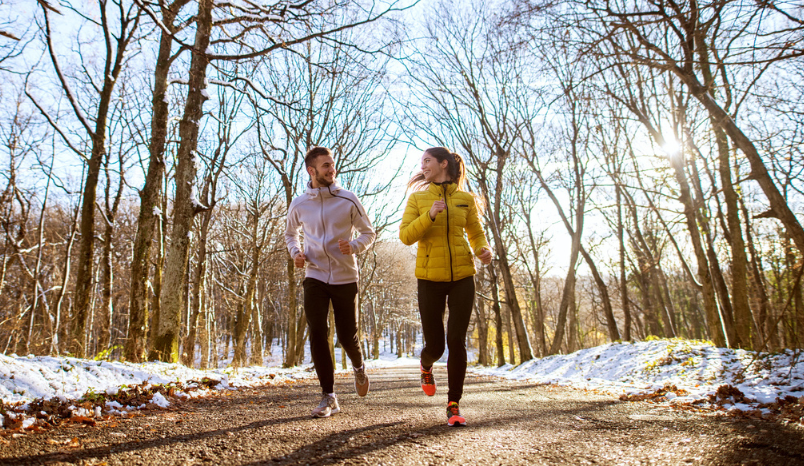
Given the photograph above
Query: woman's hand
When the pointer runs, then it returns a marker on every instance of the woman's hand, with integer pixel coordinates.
(485, 256)
(438, 207)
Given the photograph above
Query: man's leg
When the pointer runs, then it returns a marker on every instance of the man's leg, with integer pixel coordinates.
(432, 302)
(316, 309)
(460, 301)
(344, 305)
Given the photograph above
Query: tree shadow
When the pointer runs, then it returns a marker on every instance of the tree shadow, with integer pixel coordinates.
(101, 452)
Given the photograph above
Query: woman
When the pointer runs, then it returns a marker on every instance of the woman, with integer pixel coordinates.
(439, 216)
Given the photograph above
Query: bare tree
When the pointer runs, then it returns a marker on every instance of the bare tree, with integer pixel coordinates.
(249, 31)
(151, 193)
(115, 17)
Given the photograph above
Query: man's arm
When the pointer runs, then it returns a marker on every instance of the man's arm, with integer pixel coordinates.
(292, 232)
(362, 224)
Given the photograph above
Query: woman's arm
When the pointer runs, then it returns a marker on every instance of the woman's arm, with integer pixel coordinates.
(414, 226)
(474, 230)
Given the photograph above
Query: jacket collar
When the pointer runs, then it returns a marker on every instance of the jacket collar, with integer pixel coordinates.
(438, 188)
(328, 191)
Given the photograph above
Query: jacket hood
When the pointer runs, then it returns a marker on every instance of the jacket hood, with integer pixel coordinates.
(324, 191)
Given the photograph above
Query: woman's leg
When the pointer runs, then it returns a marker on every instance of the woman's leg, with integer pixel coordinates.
(432, 298)
(461, 298)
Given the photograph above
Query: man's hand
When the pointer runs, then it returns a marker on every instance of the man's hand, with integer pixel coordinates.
(485, 256)
(299, 260)
(438, 207)
(345, 247)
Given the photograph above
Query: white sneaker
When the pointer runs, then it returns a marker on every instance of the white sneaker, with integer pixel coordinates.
(327, 407)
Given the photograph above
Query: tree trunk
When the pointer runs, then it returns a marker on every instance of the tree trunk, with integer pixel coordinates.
(572, 332)
(511, 348)
(159, 273)
(84, 270)
(247, 308)
(204, 326)
(521, 334)
(495, 295)
(648, 309)
(623, 277)
(241, 324)
(525, 350)
(375, 331)
(150, 197)
(68, 252)
(482, 324)
(739, 261)
(257, 353)
(704, 277)
(721, 290)
(188, 356)
(290, 352)
(107, 282)
(399, 334)
(762, 337)
(301, 337)
(166, 344)
(568, 293)
(611, 324)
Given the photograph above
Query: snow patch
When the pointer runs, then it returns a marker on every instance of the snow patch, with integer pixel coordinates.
(160, 400)
(695, 368)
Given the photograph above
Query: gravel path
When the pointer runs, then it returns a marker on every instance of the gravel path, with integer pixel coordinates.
(508, 423)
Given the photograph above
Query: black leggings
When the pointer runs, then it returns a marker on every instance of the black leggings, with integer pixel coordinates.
(433, 298)
(317, 296)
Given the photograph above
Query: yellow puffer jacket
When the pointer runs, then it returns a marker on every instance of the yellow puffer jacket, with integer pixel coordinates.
(444, 254)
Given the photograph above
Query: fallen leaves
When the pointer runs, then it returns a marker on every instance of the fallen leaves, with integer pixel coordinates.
(82, 420)
(787, 410)
(658, 395)
(69, 443)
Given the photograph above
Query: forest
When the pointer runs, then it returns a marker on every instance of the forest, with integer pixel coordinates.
(640, 162)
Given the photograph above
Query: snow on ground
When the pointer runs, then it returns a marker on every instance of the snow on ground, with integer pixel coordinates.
(670, 371)
(681, 371)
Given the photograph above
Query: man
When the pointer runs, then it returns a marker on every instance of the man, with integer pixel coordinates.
(328, 216)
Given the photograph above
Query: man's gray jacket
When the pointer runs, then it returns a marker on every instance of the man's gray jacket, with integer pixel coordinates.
(325, 216)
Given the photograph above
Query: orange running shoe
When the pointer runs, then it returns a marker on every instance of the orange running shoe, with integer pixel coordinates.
(428, 382)
(454, 418)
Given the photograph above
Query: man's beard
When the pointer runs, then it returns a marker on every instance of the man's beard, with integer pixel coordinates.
(323, 182)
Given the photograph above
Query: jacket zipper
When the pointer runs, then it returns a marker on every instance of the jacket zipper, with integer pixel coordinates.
(342, 197)
(449, 248)
(324, 240)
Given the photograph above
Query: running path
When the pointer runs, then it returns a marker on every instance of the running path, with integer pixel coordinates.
(508, 423)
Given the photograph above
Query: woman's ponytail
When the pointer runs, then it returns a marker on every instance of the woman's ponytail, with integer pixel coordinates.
(458, 174)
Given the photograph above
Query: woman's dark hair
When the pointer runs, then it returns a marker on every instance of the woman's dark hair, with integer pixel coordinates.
(456, 170)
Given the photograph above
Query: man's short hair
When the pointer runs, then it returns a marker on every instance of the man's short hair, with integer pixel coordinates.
(314, 153)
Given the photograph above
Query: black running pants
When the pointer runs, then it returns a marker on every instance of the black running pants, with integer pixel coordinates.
(317, 296)
(434, 297)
